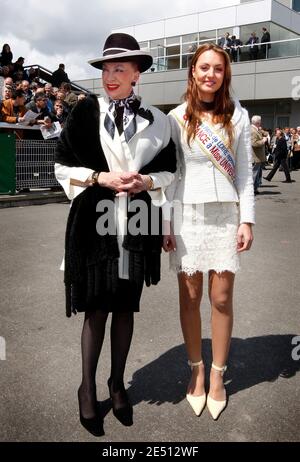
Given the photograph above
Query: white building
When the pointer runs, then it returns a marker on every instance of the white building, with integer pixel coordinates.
(267, 85)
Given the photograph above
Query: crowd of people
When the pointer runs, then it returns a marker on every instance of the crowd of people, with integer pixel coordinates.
(23, 90)
(279, 149)
(254, 47)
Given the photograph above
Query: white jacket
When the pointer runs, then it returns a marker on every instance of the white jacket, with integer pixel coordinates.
(197, 180)
(121, 156)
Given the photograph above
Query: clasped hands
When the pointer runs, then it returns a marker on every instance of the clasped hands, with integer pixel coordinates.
(125, 183)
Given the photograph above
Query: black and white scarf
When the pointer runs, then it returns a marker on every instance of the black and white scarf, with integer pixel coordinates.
(130, 105)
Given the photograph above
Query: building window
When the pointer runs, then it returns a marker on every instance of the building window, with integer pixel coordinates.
(296, 5)
(173, 50)
(210, 35)
(277, 33)
(173, 40)
(144, 45)
(190, 38)
(221, 33)
(189, 48)
(156, 43)
(173, 62)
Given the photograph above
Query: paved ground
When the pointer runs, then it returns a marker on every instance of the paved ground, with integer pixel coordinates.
(41, 373)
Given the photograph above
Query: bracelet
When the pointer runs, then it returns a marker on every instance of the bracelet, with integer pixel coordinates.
(95, 177)
(151, 183)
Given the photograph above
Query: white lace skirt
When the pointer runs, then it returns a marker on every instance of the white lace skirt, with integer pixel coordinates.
(206, 238)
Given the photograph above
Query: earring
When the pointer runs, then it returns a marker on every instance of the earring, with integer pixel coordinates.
(133, 84)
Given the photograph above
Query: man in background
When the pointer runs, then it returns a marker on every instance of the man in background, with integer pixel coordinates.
(258, 141)
(59, 76)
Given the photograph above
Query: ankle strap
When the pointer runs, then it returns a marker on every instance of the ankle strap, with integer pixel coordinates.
(220, 369)
(191, 364)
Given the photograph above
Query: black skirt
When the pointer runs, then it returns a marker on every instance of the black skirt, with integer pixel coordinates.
(124, 297)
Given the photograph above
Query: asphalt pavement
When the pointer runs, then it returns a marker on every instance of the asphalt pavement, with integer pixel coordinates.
(40, 362)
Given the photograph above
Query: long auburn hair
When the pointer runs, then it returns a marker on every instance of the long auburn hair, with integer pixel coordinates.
(224, 106)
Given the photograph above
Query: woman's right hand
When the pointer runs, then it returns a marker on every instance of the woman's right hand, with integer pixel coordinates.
(169, 240)
(118, 181)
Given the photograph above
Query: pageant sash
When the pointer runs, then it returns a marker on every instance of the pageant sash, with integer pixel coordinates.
(214, 147)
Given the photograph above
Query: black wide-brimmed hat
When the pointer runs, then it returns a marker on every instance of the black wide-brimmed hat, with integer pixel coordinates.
(123, 47)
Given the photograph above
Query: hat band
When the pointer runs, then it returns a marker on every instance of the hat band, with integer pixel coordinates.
(112, 51)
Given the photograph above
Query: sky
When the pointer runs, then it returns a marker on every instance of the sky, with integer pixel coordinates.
(73, 31)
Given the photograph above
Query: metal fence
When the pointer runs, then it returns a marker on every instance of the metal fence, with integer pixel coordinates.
(35, 164)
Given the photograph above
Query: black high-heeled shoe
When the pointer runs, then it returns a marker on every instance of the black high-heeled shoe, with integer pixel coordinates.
(122, 409)
(93, 425)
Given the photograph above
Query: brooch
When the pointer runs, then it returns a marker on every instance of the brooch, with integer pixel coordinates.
(146, 114)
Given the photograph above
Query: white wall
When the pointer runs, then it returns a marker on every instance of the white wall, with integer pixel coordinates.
(217, 15)
(285, 17)
(251, 81)
(227, 14)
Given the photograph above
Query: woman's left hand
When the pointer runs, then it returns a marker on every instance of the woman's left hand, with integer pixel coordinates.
(138, 184)
(244, 237)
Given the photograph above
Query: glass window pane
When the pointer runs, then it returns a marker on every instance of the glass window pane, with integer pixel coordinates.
(209, 34)
(158, 65)
(186, 59)
(173, 40)
(280, 33)
(189, 47)
(283, 107)
(161, 64)
(283, 121)
(161, 50)
(173, 63)
(201, 42)
(296, 5)
(190, 38)
(143, 45)
(173, 50)
(154, 52)
(222, 32)
(276, 33)
(154, 43)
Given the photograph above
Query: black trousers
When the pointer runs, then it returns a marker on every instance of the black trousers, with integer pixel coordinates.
(295, 160)
(254, 53)
(276, 166)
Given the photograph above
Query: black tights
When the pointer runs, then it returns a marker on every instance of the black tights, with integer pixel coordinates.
(92, 337)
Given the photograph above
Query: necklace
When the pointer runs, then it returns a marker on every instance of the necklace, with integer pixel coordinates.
(207, 106)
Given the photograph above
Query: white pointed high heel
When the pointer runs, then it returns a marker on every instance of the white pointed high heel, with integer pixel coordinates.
(216, 407)
(197, 402)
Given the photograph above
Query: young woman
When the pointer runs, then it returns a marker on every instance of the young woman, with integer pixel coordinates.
(213, 213)
(105, 268)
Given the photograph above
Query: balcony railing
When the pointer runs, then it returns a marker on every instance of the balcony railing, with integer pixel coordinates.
(44, 74)
(260, 51)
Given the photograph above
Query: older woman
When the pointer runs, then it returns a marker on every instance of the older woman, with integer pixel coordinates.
(214, 187)
(107, 258)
